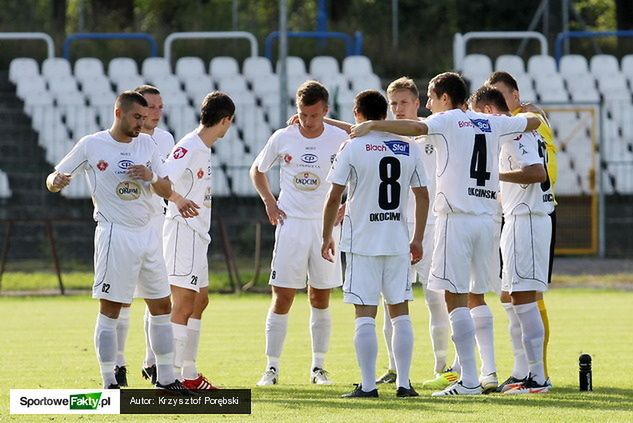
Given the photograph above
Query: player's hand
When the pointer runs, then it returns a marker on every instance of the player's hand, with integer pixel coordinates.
(360, 129)
(187, 208)
(294, 119)
(531, 107)
(60, 181)
(275, 214)
(415, 247)
(328, 249)
(140, 172)
(340, 214)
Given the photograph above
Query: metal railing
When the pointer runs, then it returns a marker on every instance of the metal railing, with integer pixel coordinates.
(167, 46)
(564, 36)
(111, 36)
(50, 45)
(353, 45)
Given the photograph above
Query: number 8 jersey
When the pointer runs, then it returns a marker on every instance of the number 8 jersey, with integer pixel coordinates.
(378, 168)
(467, 172)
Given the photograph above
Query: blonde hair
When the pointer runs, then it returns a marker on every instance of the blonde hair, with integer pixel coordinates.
(403, 83)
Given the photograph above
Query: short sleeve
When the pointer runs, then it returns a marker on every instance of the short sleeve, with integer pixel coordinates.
(418, 177)
(341, 167)
(526, 150)
(176, 163)
(510, 125)
(75, 161)
(437, 124)
(269, 154)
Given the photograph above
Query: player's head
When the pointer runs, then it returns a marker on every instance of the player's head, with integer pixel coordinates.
(404, 98)
(508, 86)
(130, 113)
(370, 105)
(489, 100)
(154, 104)
(312, 106)
(217, 109)
(446, 91)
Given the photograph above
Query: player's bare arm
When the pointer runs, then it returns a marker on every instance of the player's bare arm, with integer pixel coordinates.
(275, 214)
(531, 174)
(400, 127)
(532, 124)
(421, 195)
(56, 181)
(330, 211)
(340, 214)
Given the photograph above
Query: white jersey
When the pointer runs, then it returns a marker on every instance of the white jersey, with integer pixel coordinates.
(525, 150)
(189, 168)
(428, 159)
(117, 198)
(305, 163)
(165, 142)
(467, 148)
(378, 168)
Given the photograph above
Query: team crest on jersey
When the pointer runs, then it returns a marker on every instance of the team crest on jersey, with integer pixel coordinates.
(429, 149)
(128, 190)
(307, 181)
(309, 158)
(102, 165)
(482, 124)
(200, 173)
(287, 158)
(398, 147)
(179, 153)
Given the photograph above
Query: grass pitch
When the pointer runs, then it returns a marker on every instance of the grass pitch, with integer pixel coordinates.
(47, 343)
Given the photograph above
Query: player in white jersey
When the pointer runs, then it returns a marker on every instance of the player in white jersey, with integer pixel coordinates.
(117, 164)
(378, 170)
(527, 201)
(164, 141)
(186, 241)
(305, 153)
(465, 205)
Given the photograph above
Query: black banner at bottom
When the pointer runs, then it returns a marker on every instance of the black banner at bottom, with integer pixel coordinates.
(156, 401)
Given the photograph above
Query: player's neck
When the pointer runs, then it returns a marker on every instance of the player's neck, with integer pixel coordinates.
(208, 135)
(149, 132)
(119, 136)
(312, 133)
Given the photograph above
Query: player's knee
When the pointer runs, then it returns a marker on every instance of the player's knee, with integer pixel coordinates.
(320, 298)
(282, 301)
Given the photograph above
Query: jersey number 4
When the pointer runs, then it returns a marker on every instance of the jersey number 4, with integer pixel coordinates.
(478, 161)
(389, 188)
(542, 152)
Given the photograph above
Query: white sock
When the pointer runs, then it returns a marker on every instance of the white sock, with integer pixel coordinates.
(438, 326)
(106, 347)
(464, 339)
(320, 329)
(387, 330)
(276, 329)
(122, 327)
(484, 333)
(150, 360)
(402, 348)
(180, 341)
(533, 338)
(190, 353)
(366, 345)
(520, 369)
(161, 338)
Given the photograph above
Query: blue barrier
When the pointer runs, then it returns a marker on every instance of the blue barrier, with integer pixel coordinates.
(353, 45)
(111, 36)
(561, 37)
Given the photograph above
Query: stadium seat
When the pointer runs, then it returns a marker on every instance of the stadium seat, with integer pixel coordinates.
(582, 88)
(62, 86)
(551, 88)
(5, 190)
(154, 67)
(128, 83)
(196, 85)
(222, 67)
(324, 67)
(220, 187)
(573, 65)
(88, 68)
(627, 67)
(541, 65)
(96, 85)
(187, 67)
(23, 68)
(254, 67)
(265, 85)
(166, 83)
(510, 63)
(235, 84)
(613, 85)
(477, 64)
(367, 82)
(604, 64)
(294, 66)
(121, 68)
(27, 87)
(103, 105)
(357, 65)
(55, 67)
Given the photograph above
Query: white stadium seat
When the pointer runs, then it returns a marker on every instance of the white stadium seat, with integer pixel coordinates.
(265, 85)
(5, 190)
(198, 85)
(613, 85)
(187, 67)
(541, 65)
(477, 64)
(88, 68)
(357, 65)
(222, 67)
(23, 68)
(232, 85)
(324, 67)
(367, 82)
(294, 66)
(604, 64)
(572, 65)
(256, 66)
(627, 67)
(55, 67)
(154, 67)
(25, 87)
(510, 63)
(128, 83)
(122, 67)
(96, 85)
(63, 86)
(166, 83)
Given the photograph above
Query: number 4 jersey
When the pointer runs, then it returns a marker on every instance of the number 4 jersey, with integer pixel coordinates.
(467, 173)
(378, 168)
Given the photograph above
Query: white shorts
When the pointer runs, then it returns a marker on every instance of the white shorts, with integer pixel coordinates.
(419, 272)
(366, 277)
(525, 241)
(158, 221)
(126, 260)
(466, 254)
(297, 256)
(185, 256)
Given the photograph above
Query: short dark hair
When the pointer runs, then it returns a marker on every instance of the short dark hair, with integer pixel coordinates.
(215, 107)
(503, 77)
(147, 89)
(488, 95)
(125, 100)
(310, 93)
(371, 104)
(452, 84)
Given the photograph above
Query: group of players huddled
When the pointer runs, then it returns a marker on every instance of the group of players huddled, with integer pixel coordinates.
(460, 201)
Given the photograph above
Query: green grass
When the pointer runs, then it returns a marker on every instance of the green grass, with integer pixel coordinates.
(47, 343)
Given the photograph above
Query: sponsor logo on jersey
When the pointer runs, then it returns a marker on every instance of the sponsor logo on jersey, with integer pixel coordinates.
(372, 147)
(207, 198)
(200, 174)
(309, 158)
(482, 124)
(102, 165)
(306, 181)
(548, 198)
(179, 153)
(128, 190)
(124, 164)
(398, 147)
(379, 217)
(429, 149)
(287, 158)
(484, 193)
(332, 157)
